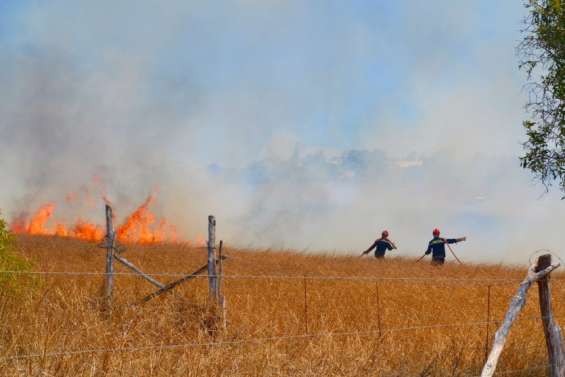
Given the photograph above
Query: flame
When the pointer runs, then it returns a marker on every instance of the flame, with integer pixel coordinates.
(40, 218)
(137, 224)
(61, 230)
(141, 226)
(19, 224)
(86, 231)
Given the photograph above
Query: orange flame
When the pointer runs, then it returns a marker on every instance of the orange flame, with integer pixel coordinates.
(38, 221)
(137, 225)
(19, 224)
(141, 226)
(86, 231)
(61, 230)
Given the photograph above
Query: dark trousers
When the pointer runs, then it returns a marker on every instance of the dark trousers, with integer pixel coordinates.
(438, 261)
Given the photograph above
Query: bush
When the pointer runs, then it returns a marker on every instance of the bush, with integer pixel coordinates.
(11, 265)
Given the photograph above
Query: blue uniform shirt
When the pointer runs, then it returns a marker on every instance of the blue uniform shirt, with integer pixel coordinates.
(381, 246)
(437, 247)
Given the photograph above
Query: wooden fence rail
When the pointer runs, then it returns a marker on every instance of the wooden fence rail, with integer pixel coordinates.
(111, 247)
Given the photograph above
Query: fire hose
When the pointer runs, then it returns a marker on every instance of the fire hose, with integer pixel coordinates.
(452, 252)
(450, 249)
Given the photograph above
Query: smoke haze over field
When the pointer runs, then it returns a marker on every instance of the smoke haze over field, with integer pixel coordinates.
(309, 125)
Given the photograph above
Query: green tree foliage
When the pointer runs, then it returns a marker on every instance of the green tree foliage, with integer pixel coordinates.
(11, 264)
(542, 53)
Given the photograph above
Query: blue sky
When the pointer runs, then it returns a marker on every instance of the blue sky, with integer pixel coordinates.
(403, 115)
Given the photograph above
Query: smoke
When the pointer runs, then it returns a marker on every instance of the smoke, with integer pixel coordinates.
(298, 126)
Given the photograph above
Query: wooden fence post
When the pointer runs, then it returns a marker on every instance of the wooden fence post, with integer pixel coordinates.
(221, 298)
(212, 277)
(518, 302)
(552, 332)
(109, 281)
(220, 295)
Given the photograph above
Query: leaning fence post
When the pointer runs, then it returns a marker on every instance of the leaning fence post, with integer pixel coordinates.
(552, 332)
(516, 305)
(109, 281)
(212, 277)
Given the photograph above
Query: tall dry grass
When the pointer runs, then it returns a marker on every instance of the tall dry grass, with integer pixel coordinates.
(65, 315)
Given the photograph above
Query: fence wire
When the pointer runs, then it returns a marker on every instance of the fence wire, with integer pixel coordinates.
(380, 333)
(301, 337)
(275, 277)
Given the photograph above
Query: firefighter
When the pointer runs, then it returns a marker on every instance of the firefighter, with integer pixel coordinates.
(381, 245)
(437, 247)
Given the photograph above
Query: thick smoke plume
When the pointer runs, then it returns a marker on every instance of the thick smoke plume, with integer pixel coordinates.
(230, 111)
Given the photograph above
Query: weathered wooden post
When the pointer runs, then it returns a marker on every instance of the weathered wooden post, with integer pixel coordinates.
(220, 296)
(535, 273)
(109, 281)
(553, 338)
(212, 277)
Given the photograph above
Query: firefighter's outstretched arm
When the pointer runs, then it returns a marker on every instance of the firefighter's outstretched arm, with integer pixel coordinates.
(369, 249)
(455, 240)
(429, 250)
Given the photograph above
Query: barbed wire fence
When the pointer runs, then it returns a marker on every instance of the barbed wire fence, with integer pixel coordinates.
(215, 279)
(380, 332)
(283, 277)
(256, 340)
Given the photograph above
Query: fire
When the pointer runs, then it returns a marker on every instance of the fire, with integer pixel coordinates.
(141, 226)
(37, 223)
(61, 230)
(19, 224)
(86, 231)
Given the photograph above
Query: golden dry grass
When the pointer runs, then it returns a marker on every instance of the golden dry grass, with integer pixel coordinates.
(65, 315)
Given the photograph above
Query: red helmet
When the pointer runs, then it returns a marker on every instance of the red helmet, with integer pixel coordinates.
(436, 232)
(385, 233)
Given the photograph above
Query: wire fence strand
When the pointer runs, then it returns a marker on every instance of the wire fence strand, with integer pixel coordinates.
(275, 277)
(249, 340)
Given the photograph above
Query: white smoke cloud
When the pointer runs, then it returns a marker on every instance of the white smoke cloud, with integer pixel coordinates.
(195, 101)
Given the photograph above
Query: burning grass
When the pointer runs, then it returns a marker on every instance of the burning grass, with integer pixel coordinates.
(141, 226)
(64, 315)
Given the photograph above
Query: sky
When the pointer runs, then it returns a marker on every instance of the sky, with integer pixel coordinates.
(310, 125)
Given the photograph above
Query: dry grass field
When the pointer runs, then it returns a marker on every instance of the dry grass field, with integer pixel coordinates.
(429, 325)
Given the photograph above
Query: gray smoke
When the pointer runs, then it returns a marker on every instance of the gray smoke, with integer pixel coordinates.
(190, 101)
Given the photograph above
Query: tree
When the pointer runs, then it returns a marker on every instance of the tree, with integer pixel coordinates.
(542, 56)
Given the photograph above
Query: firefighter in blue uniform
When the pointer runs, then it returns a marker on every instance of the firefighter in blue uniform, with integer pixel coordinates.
(381, 246)
(437, 247)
